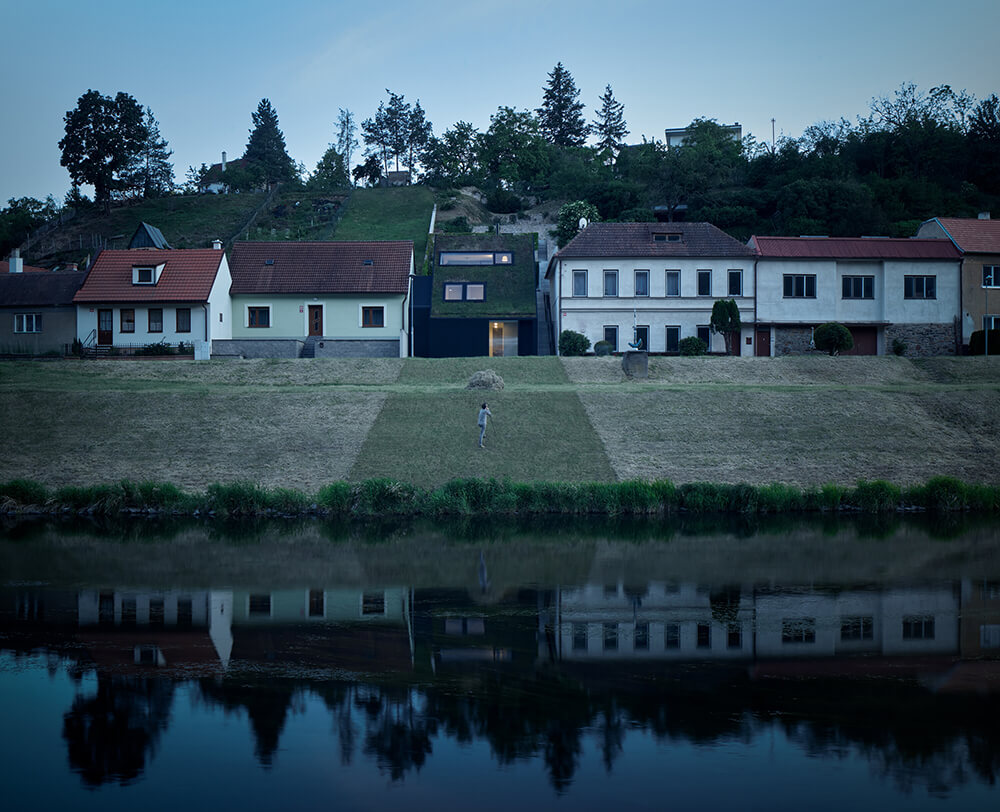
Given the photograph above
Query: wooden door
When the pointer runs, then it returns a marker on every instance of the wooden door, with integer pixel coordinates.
(105, 327)
(865, 341)
(315, 320)
(763, 340)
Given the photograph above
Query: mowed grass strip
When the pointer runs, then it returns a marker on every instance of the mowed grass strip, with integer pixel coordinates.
(428, 438)
(456, 372)
(293, 439)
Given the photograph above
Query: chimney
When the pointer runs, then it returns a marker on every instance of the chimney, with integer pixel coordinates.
(16, 263)
(223, 160)
(984, 215)
(217, 245)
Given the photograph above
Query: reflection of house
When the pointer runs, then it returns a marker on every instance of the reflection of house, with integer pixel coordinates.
(331, 299)
(981, 618)
(37, 315)
(881, 289)
(480, 298)
(146, 296)
(979, 242)
(651, 282)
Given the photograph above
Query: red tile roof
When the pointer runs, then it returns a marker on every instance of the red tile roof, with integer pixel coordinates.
(5, 268)
(973, 236)
(853, 248)
(187, 276)
(636, 240)
(321, 267)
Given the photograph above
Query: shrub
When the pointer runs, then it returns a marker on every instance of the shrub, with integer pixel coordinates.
(379, 496)
(779, 498)
(603, 348)
(337, 497)
(573, 343)
(77, 348)
(501, 201)
(977, 342)
(833, 338)
(876, 496)
(237, 498)
(704, 497)
(24, 492)
(942, 493)
(460, 225)
(898, 346)
(692, 345)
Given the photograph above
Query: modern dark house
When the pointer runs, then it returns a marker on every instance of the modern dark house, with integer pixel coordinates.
(479, 299)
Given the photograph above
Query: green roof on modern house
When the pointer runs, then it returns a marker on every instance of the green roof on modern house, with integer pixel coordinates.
(484, 276)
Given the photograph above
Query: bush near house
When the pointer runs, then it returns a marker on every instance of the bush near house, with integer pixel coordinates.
(573, 343)
(977, 342)
(692, 345)
(833, 338)
(603, 348)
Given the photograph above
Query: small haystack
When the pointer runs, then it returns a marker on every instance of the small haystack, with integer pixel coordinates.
(485, 379)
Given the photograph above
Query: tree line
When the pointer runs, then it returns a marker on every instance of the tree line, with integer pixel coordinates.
(914, 155)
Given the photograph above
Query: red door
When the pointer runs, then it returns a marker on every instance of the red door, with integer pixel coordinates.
(865, 341)
(105, 327)
(763, 343)
(315, 320)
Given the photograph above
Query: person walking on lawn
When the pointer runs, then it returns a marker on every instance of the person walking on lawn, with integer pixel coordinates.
(484, 412)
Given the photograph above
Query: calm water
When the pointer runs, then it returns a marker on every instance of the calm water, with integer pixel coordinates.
(784, 665)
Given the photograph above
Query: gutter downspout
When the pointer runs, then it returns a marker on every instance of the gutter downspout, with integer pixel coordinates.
(208, 315)
(755, 306)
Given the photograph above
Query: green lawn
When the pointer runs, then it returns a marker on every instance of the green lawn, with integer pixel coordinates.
(389, 214)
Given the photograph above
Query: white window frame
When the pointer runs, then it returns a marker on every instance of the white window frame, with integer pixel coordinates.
(604, 335)
(255, 305)
(923, 286)
(23, 319)
(666, 283)
(863, 278)
(635, 335)
(579, 273)
(635, 283)
(705, 271)
(991, 321)
(666, 338)
(991, 277)
(805, 277)
(613, 274)
(729, 281)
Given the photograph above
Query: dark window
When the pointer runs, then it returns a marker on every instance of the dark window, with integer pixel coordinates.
(373, 603)
(991, 276)
(736, 282)
(143, 276)
(128, 612)
(666, 238)
(705, 334)
(611, 336)
(673, 283)
(859, 287)
(579, 637)
(183, 319)
(673, 339)
(316, 603)
(919, 287)
(128, 321)
(260, 605)
(800, 286)
(106, 609)
(672, 636)
(258, 317)
(156, 612)
(610, 636)
(734, 636)
(704, 635)
(642, 337)
(579, 283)
(918, 627)
(642, 283)
(185, 614)
(704, 283)
(373, 317)
(641, 640)
(857, 628)
(611, 283)
(798, 630)
(156, 319)
(27, 322)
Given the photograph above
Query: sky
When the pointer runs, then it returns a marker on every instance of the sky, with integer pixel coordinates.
(203, 66)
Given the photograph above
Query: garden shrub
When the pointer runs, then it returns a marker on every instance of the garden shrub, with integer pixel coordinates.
(833, 338)
(573, 343)
(692, 345)
(603, 348)
(898, 346)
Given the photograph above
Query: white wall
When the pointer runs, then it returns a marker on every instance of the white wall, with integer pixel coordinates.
(86, 322)
(219, 304)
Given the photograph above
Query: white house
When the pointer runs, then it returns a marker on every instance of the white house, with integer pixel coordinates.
(881, 289)
(146, 296)
(651, 282)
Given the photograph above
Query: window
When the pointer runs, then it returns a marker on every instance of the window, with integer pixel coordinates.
(705, 334)
(373, 316)
(666, 238)
(183, 319)
(641, 640)
(734, 636)
(610, 636)
(258, 317)
(373, 603)
(918, 627)
(475, 292)
(156, 319)
(704, 635)
(579, 637)
(673, 339)
(27, 322)
(579, 283)
(259, 605)
(919, 287)
(671, 636)
(464, 291)
(475, 258)
(991, 276)
(800, 286)
(798, 630)
(156, 614)
(857, 628)
(991, 322)
(127, 320)
(673, 286)
(642, 283)
(611, 283)
(611, 336)
(185, 613)
(735, 282)
(143, 276)
(128, 611)
(859, 287)
(705, 283)
(642, 337)
(453, 292)
(317, 603)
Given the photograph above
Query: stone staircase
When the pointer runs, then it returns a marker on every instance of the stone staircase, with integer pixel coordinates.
(309, 347)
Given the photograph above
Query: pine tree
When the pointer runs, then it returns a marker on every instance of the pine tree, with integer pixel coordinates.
(346, 142)
(610, 124)
(152, 174)
(266, 153)
(560, 118)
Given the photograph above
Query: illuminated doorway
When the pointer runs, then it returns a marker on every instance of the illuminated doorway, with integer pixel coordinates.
(503, 338)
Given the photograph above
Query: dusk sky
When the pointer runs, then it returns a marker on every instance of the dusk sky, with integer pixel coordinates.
(203, 66)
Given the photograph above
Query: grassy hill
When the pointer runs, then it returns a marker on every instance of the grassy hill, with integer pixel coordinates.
(799, 420)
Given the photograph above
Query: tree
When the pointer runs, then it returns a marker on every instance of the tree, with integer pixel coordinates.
(833, 338)
(266, 154)
(370, 170)
(453, 158)
(346, 142)
(331, 172)
(419, 133)
(562, 123)
(570, 215)
(20, 217)
(573, 343)
(152, 174)
(726, 320)
(610, 124)
(103, 139)
(513, 152)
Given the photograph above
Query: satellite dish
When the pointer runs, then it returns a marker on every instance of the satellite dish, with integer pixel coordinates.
(583, 223)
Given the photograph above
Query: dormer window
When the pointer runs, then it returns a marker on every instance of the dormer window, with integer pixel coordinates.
(145, 274)
(666, 237)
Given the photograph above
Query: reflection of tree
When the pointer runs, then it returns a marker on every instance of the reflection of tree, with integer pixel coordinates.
(397, 734)
(110, 733)
(266, 705)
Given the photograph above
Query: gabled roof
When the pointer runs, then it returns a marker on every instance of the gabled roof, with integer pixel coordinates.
(321, 267)
(973, 236)
(5, 268)
(40, 289)
(877, 248)
(187, 276)
(147, 236)
(637, 240)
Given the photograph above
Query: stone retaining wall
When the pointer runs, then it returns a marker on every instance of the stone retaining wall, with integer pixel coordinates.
(356, 348)
(257, 348)
(922, 340)
(792, 340)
